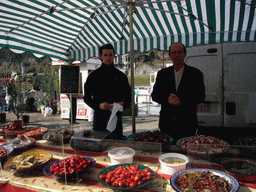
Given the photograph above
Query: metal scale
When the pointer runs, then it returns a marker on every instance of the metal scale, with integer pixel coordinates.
(95, 141)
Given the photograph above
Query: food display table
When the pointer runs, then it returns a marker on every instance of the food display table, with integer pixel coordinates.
(36, 180)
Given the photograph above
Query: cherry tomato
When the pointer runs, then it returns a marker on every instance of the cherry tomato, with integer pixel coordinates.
(107, 180)
(102, 176)
(56, 169)
(142, 174)
(61, 173)
(127, 176)
(112, 179)
(137, 178)
(69, 165)
(121, 184)
(89, 162)
(79, 166)
(71, 171)
(122, 176)
(133, 184)
(118, 172)
(144, 179)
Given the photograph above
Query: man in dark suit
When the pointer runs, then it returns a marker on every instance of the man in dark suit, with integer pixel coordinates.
(179, 89)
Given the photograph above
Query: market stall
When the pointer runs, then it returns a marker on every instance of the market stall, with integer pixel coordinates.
(99, 162)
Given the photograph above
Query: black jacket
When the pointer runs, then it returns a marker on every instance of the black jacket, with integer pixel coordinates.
(191, 92)
(106, 84)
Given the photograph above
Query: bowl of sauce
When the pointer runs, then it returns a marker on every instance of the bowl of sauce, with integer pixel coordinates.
(173, 162)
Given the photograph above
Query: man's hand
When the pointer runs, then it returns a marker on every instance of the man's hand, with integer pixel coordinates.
(174, 100)
(121, 103)
(106, 106)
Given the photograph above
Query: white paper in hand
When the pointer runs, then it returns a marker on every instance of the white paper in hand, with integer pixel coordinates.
(113, 118)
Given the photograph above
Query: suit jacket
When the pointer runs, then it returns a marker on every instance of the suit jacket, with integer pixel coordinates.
(191, 92)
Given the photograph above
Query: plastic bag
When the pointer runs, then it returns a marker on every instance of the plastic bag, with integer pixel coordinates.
(90, 113)
(48, 111)
(113, 118)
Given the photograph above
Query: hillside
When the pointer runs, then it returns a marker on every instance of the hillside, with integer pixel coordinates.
(13, 61)
(145, 63)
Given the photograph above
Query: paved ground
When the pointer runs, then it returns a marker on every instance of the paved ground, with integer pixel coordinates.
(143, 122)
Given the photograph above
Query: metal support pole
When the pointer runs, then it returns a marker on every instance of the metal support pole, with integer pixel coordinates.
(71, 112)
(132, 66)
(71, 108)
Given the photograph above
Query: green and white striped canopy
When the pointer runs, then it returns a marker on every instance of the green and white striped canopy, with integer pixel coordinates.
(75, 29)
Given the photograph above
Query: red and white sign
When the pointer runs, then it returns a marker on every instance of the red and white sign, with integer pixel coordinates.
(81, 107)
(82, 112)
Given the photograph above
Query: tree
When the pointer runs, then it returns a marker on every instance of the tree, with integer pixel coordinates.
(18, 95)
(46, 82)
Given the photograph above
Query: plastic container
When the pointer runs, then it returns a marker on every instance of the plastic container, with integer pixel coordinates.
(121, 155)
(171, 168)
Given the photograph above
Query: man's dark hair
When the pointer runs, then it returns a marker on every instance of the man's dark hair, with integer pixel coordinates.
(184, 48)
(107, 46)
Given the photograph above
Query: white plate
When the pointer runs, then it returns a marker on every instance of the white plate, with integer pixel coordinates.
(234, 183)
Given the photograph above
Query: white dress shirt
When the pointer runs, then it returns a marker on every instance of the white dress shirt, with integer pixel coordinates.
(178, 75)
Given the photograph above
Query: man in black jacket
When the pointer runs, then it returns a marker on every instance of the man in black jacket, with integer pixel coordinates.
(179, 89)
(105, 86)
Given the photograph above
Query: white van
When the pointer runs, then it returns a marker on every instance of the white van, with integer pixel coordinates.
(230, 78)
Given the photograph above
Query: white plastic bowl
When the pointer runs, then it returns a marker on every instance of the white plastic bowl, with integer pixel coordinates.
(170, 169)
(121, 155)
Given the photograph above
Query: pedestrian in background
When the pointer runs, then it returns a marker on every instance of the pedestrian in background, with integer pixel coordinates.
(8, 102)
(179, 89)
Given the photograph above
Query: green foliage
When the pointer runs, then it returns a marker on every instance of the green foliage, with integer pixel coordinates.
(7, 72)
(18, 93)
(46, 82)
(143, 80)
(39, 64)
